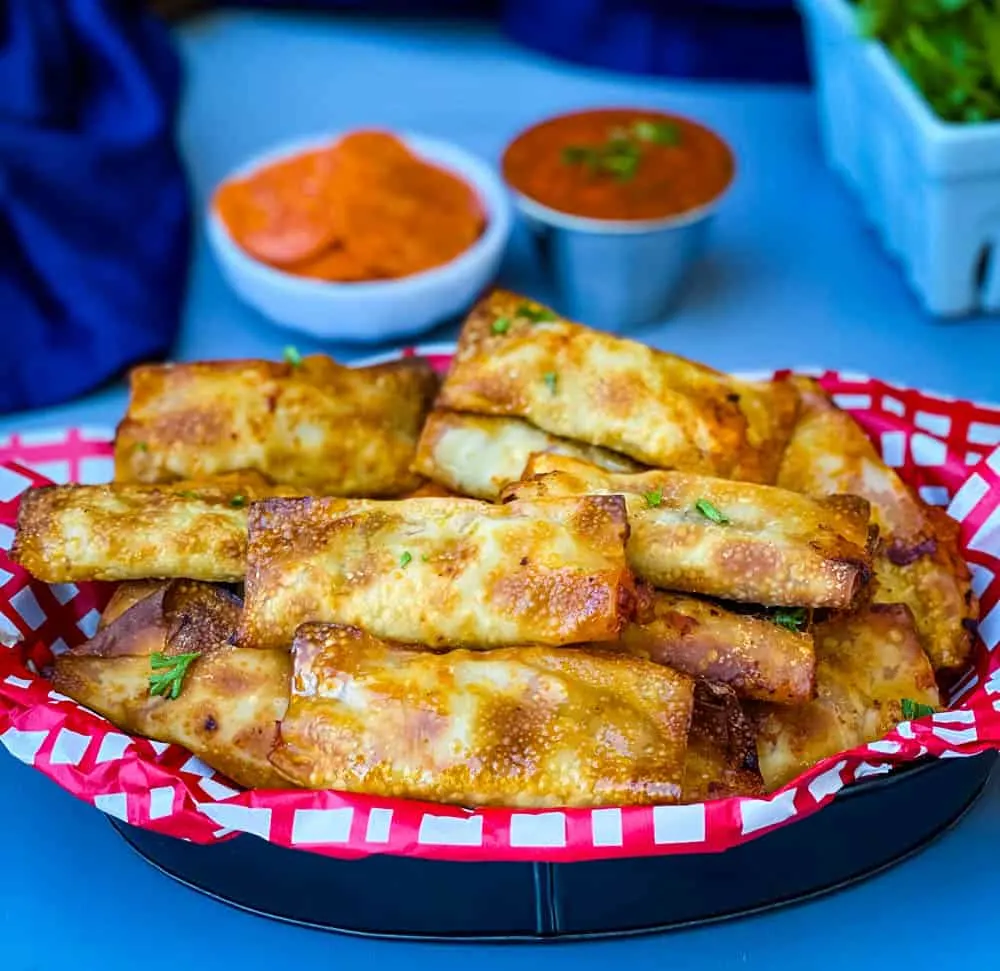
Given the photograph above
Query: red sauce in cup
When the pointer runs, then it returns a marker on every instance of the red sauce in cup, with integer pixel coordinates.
(619, 164)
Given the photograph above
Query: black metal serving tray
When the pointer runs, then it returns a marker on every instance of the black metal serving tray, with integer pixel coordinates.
(870, 826)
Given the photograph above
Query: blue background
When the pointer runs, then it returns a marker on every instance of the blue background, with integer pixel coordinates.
(794, 277)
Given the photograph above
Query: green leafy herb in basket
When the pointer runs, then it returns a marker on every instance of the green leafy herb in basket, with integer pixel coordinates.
(949, 48)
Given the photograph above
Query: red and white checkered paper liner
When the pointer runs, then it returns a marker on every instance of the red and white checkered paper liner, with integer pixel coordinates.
(945, 448)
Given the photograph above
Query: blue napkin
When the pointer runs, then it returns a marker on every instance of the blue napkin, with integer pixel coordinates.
(94, 217)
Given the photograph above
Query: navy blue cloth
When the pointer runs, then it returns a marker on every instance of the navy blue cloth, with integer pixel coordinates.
(751, 40)
(94, 214)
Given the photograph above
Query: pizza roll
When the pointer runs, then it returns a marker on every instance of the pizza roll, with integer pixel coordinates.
(733, 540)
(314, 423)
(440, 572)
(527, 726)
(519, 360)
(218, 701)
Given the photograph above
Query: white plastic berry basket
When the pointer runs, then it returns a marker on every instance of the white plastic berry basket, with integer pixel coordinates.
(930, 188)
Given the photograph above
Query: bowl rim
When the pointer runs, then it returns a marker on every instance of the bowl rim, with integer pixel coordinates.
(475, 171)
(591, 224)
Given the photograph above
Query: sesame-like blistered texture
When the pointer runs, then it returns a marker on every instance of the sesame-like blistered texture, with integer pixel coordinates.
(477, 455)
(524, 726)
(314, 424)
(440, 572)
(867, 663)
(136, 532)
(918, 561)
(230, 699)
(773, 547)
(591, 386)
(752, 655)
(722, 748)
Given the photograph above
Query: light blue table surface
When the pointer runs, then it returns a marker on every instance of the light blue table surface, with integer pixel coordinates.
(794, 278)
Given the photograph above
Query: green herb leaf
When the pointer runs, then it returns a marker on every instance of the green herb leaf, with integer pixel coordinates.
(575, 154)
(406, 558)
(711, 512)
(654, 498)
(791, 618)
(292, 355)
(501, 325)
(172, 671)
(657, 132)
(238, 502)
(915, 709)
(188, 494)
(141, 447)
(551, 379)
(537, 315)
(424, 558)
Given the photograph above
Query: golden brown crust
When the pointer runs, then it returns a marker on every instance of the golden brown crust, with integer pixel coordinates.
(584, 384)
(722, 748)
(750, 654)
(230, 699)
(867, 663)
(126, 595)
(316, 425)
(777, 548)
(526, 726)
(136, 532)
(918, 561)
(477, 455)
(441, 572)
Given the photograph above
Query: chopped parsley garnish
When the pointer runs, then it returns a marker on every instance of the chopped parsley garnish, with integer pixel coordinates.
(188, 494)
(653, 498)
(292, 355)
(621, 154)
(791, 618)
(537, 315)
(172, 671)
(551, 380)
(657, 132)
(237, 502)
(710, 511)
(915, 709)
(406, 558)
(501, 325)
(424, 558)
(141, 447)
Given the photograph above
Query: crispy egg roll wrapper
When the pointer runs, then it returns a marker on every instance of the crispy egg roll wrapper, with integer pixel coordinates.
(593, 387)
(316, 425)
(722, 748)
(867, 663)
(136, 532)
(918, 562)
(440, 572)
(778, 548)
(752, 655)
(230, 702)
(477, 455)
(127, 595)
(530, 727)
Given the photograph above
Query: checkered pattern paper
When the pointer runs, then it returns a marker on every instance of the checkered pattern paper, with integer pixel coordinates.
(945, 448)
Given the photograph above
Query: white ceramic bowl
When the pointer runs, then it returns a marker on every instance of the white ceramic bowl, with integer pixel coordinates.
(380, 310)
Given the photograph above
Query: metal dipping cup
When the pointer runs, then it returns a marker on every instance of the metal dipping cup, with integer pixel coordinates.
(618, 274)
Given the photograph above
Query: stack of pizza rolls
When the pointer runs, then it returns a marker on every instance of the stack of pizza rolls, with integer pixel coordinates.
(580, 572)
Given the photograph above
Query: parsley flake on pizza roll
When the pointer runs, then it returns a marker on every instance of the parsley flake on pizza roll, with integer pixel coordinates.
(761, 656)
(440, 572)
(519, 360)
(193, 530)
(310, 422)
(477, 455)
(165, 668)
(733, 540)
(530, 727)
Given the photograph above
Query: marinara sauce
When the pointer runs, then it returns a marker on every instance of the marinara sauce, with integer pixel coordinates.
(619, 164)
